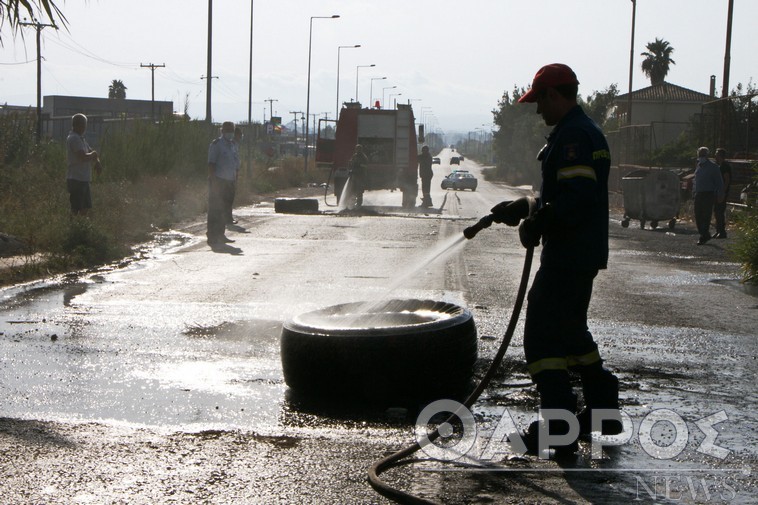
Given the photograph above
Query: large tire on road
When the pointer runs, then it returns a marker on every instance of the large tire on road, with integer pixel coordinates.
(296, 205)
(392, 353)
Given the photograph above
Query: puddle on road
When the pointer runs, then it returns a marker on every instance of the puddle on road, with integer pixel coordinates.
(745, 287)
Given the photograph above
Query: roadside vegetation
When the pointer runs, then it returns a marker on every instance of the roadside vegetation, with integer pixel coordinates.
(154, 176)
(745, 247)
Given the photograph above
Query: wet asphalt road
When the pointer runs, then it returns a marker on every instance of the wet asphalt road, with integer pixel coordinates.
(160, 382)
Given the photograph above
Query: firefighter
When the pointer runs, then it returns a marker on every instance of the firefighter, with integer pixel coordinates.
(358, 173)
(426, 174)
(571, 222)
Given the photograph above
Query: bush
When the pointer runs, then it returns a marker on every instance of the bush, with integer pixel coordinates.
(745, 247)
(155, 175)
(85, 243)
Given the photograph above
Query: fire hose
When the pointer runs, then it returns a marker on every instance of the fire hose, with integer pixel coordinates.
(396, 458)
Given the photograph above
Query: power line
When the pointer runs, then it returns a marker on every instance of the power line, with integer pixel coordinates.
(89, 54)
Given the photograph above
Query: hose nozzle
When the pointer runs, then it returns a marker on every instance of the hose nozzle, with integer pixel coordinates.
(483, 223)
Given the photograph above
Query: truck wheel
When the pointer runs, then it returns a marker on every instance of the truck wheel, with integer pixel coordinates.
(654, 224)
(642, 224)
(396, 352)
(672, 223)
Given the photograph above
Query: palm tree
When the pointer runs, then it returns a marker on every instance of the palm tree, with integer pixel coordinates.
(117, 90)
(15, 10)
(657, 60)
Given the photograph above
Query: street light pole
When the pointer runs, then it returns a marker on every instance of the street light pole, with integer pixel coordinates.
(631, 68)
(308, 99)
(727, 51)
(337, 110)
(390, 98)
(250, 74)
(208, 94)
(383, 90)
(356, 78)
(423, 113)
(371, 90)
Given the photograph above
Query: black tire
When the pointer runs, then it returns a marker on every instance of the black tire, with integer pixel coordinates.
(427, 353)
(672, 223)
(625, 223)
(654, 224)
(296, 205)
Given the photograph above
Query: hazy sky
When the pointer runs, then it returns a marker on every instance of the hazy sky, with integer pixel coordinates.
(456, 57)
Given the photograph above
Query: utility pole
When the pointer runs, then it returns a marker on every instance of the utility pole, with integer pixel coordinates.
(208, 117)
(296, 112)
(39, 26)
(152, 86)
(271, 106)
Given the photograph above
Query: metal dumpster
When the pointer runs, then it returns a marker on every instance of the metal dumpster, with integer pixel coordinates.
(650, 195)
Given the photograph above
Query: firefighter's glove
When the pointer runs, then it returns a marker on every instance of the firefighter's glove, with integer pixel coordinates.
(531, 229)
(511, 212)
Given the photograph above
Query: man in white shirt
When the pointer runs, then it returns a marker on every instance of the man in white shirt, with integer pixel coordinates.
(80, 157)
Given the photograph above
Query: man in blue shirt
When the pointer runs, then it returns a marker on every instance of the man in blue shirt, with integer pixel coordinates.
(223, 163)
(707, 188)
(571, 222)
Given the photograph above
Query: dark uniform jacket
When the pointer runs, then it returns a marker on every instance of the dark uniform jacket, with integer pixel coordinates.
(425, 165)
(575, 165)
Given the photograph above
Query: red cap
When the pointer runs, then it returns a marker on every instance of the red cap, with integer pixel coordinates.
(549, 76)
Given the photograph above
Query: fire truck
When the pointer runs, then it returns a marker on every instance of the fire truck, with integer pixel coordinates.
(389, 141)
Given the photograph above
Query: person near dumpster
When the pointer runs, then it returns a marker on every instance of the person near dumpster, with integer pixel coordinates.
(707, 188)
(426, 174)
(719, 209)
(223, 163)
(570, 219)
(358, 173)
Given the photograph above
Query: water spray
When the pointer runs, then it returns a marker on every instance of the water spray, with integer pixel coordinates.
(400, 457)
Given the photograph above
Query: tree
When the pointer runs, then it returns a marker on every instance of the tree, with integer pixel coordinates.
(657, 60)
(599, 106)
(14, 11)
(117, 90)
(518, 139)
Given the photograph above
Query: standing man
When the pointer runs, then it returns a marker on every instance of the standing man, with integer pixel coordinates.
(223, 163)
(571, 220)
(719, 210)
(707, 187)
(425, 172)
(80, 157)
(358, 173)
(237, 144)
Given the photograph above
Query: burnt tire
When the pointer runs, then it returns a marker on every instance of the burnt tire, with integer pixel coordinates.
(402, 363)
(296, 205)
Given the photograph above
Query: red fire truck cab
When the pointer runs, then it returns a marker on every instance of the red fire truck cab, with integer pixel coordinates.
(389, 141)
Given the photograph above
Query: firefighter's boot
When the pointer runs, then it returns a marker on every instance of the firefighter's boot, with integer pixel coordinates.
(601, 391)
(555, 393)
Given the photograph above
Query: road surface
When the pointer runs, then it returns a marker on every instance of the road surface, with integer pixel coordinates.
(160, 382)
